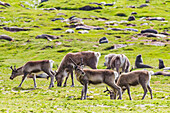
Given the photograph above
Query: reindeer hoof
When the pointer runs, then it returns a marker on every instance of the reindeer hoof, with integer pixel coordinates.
(72, 85)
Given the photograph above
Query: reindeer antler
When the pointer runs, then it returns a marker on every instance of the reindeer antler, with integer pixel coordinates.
(107, 90)
(11, 67)
(72, 61)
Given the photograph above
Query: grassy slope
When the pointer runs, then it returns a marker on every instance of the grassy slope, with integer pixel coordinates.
(68, 99)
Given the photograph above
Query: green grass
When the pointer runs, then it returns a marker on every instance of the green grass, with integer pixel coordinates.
(67, 99)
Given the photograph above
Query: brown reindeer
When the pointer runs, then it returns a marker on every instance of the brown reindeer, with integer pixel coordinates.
(96, 76)
(66, 66)
(34, 67)
(134, 78)
(117, 61)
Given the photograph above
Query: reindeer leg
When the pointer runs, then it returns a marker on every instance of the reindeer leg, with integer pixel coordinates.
(82, 93)
(25, 74)
(128, 90)
(34, 79)
(72, 78)
(52, 78)
(85, 90)
(145, 90)
(114, 86)
(65, 83)
(150, 90)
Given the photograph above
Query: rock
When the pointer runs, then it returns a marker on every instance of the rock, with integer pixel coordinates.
(4, 4)
(109, 4)
(143, 5)
(89, 8)
(48, 37)
(103, 40)
(134, 13)
(131, 18)
(69, 31)
(130, 24)
(56, 29)
(155, 18)
(43, 1)
(162, 73)
(149, 31)
(131, 29)
(132, 6)
(144, 24)
(49, 9)
(5, 37)
(15, 29)
(82, 28)
(115, 29)
(147, 1)
(57, 19)
(83, 32)
(98, 28)
(161, 64)
(121, 14)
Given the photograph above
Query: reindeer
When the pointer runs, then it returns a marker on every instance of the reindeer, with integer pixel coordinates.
(134, 78)
(34, 67)
(95, 76)
(66, 66)
(118, 61)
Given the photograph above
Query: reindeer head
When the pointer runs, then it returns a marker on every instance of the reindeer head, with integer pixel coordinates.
(78, 68)
(14, 72)
(110, 92)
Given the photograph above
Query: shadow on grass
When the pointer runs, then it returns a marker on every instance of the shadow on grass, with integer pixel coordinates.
(20, 89)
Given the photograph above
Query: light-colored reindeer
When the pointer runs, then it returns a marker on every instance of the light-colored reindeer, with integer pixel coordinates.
(34, 67)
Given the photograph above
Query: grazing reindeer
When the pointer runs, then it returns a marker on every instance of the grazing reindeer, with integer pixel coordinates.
(34, 67)
(95, 76)
(118, 61)
(134, 78)
(66, 67)
(110, 92)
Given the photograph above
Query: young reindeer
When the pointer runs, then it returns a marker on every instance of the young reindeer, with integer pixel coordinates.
(95, 76)
(34, 67)
(134, 78)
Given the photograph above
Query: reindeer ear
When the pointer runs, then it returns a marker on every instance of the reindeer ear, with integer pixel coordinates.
(15, 68)
(11, 68)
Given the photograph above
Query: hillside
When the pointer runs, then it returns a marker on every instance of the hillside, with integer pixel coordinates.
(23, 24)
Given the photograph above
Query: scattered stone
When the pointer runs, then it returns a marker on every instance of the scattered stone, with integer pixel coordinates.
(15, 29)
(89, 8)
(48, 37)
(134, 13)
(56, 29)
(47, 47)
(164, 33)
(143, 5)
(132, 6)
(4, 4)
(69, 31)
(131, 18)
(58, 43)
(49, 9)
(103, 40)
(109, 4)
(131, 29)
(155, 43)
(161, 64)
(152, 35)
(82, 28)
(121, 14)
(131, 25)
(144, 24)
(98, 28)
(116, 46)
(57, 19)
(147, 1)
(149, 31)
(101, 19)
(155, 18)
(162, 73)
(118, 36)
(113, 22)
(60, 14)
(115, 29)
(5, 37)
(139, 62)
(83, 32)
(43, 1)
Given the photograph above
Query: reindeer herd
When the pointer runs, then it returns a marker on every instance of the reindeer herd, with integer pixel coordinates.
(117, 74)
